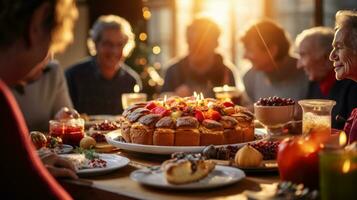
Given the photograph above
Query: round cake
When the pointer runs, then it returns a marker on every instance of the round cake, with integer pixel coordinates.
(188, 121)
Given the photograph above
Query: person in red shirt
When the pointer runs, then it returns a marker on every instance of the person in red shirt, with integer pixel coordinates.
(344, 57)
(29, 29)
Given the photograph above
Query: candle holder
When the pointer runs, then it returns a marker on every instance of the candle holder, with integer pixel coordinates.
(338, 174)
(128, 99)
(228, 93)
(71, 131)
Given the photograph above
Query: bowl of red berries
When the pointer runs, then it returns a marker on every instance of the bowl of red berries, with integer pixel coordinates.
(99, 130)
(274, 112)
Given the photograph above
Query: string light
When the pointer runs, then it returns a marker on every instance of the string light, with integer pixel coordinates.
(146, 13)
(143, 36)
(156, 49)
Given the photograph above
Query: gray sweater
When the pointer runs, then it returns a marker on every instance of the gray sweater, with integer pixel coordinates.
(40, 100)
(286, 81)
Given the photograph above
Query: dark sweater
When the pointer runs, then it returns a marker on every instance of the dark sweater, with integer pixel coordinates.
(344, 92)
(93, 94)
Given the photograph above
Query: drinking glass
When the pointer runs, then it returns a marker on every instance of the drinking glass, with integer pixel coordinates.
(128, 99)
(316, 116)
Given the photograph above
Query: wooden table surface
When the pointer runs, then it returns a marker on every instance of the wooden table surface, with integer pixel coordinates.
(118, 185)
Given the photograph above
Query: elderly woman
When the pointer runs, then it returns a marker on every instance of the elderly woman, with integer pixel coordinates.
(314, 46)
(96, 84)
(344, 57)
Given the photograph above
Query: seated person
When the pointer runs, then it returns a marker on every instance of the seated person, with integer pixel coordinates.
(96, 84)
(23, 45)
(203, 68)
(314, 46)
(273, 71)
(42, 94)
(344, 57)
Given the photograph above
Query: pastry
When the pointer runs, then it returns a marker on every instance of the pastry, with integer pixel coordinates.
(211, 133)
(186, 168)
(187, 133)
(164, 134)
(142, 131)
(188, 121)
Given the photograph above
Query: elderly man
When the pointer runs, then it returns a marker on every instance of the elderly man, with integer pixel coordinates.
(314, 46)
(273, 70)
(203, 68)
(24, 43)
(344, 57)
(96, 84)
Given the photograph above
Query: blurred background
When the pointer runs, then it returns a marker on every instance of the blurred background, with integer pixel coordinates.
(160, 26)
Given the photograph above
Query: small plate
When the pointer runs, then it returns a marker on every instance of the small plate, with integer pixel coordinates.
(114, 162)
(65, 148)
(220, 176)
(267, 166)
(166, 150)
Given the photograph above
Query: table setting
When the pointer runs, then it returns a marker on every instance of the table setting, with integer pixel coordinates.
(228, 156)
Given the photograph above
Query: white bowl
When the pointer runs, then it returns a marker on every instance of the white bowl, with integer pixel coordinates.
(274, 116)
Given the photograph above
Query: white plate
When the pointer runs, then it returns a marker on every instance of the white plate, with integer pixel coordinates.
(220, 176)
(65, 148)
(114, 162)
(165, 150)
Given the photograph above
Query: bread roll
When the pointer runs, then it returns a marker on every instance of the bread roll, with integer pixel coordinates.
(211, 133)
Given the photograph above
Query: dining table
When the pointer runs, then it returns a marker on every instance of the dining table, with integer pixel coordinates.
(119, 185)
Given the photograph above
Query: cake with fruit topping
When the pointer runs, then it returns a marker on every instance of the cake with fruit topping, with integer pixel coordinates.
(187, 122)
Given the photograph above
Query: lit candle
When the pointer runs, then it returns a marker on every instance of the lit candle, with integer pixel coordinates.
(338, 172)
(164, 102)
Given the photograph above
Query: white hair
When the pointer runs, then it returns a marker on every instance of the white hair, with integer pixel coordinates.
(347, 19)
(108, 22)
(321, 37)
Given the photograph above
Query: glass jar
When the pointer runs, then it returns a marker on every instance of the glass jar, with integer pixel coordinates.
(316, 116)
(71, 131)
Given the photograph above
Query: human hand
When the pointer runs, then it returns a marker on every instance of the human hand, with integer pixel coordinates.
(58, 166)
(183, 91)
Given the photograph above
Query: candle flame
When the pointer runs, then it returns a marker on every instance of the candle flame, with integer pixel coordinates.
(225, 88)
(165, 98)
(346, 166)
(201, 96)
(63, 127)
(342, 138)
(195, 94)
(136, 88)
